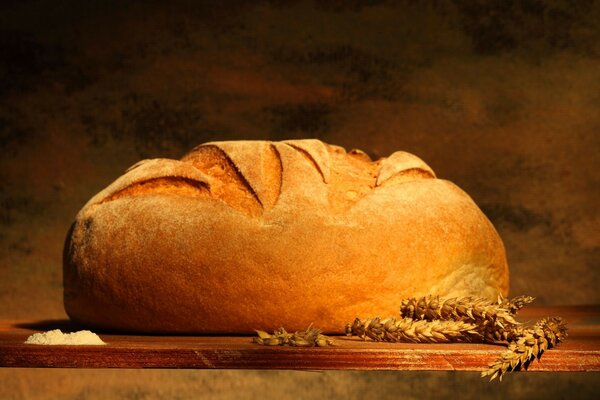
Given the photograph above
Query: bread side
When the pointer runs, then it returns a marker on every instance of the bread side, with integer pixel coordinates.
(244, 235)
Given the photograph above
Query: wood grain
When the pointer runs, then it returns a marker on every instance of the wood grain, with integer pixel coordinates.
(581, 351)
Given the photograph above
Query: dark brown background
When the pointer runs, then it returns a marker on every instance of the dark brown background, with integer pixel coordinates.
(501, 97)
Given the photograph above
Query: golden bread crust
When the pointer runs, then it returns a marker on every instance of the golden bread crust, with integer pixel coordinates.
(248, 235)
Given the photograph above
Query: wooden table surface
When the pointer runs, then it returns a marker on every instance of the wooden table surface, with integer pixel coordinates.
(580, 352)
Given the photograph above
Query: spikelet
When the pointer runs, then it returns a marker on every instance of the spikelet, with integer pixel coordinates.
(515, 304)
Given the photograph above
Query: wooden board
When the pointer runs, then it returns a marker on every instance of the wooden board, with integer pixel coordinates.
(581, 351)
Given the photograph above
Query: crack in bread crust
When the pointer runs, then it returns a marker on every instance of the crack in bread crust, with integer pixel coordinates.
(228, 183)
(277, 176)
(319, 159)
(170, 185)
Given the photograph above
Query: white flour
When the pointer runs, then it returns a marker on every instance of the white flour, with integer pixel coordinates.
(56, 337)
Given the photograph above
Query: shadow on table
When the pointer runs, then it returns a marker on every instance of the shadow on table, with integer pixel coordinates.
(65, 325)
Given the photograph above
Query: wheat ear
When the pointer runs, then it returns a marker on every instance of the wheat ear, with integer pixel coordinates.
(416, 331)
(311, 337)
(526, 345)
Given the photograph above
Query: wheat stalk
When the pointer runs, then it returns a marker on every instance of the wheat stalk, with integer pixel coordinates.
(490, 321)
(435, 320)
(494, 322)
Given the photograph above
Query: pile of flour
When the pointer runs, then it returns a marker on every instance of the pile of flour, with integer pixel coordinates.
(57, 337)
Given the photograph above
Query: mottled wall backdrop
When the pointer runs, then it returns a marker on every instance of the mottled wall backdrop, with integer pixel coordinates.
(501, 97)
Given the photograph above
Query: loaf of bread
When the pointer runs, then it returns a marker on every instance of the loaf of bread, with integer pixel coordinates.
(245, 235)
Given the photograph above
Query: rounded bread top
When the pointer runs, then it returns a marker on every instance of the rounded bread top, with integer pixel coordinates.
(255, 177)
